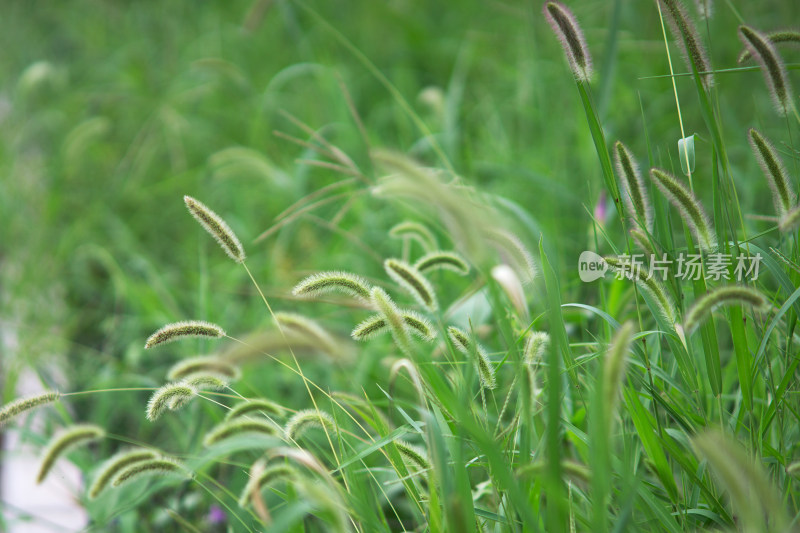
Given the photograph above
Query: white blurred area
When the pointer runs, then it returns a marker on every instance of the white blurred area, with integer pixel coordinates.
(27, 507)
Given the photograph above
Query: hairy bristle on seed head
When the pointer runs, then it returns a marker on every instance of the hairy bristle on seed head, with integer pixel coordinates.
(116, 464)
(370, 327)
(159, 466)
(64, 441)
(649, 284)
(790, 220)
(254, 405)
(261, 476)
(442, 260)
(726, 295)
(203, 364)
(694, 53)
(240, 426)
(386, 308)
(13, 409)
(217, 227)
(419, 325)
(183, 330)
(633, 190)
(566, 27)
(690, 208)
(535, 346)
(772, 67)
(776, 37)
(614, 367)
(417, 232)
(413, 281)
(334, 281)
(783, 196)
(306, 419)
(171, 396)
(464, 344)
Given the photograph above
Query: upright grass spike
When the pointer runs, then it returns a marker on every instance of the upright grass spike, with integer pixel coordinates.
(413, 281)
(13, 409)
(413, 453)
(783, 196)
(183, 330)
(393, 317)
(649, 284)
(535, 345)
(115, 465)
(203, 364)
(566, 27)
(254, 405)
(776, 37)
(217, 227)
(465, 345)
(64, 441)
(171, 396)
(690, 208)
(442, 260)
(772, 67)
(614, 367)
(633, 188)
(151, 467)
(688, 40)
(790, 220)
(261, 475)
(333, 281)
(240, 426)
(303, 420)
(417, 232)
(726, 295)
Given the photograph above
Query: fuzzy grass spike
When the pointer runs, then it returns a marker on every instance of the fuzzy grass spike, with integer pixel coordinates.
(217, 228)
(13, 409)
(727, 295)
(64, 441)
(333, 281)
(772, 67)
(115, 465)
(183, 330)
(690, 208)
(566, 27)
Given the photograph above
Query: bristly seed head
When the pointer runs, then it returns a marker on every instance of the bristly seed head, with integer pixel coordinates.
(772, 67)
(334, 281)
(413, 281)
(634, 191)
(158, 466)
(790, 220)
(17, 407)
(465, 345)
(688, 40)
(417, 232)
(217, 227)
(65, 441)
(182, 330)
(568, 31)
(726, 295)
(239, 426)
(442, 260)
(783, 196)
(690, 208)
(777, 37)
(114, 465)
(306, 419)
(171, 396)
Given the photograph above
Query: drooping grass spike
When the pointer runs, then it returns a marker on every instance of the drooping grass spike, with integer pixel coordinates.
(614, 367)
(690, 208)
(417, 232)
(634, 189)
(694, 53)
(464, 344)
(726, 295)
(333, 281)
(772, 67)
(240, 426)
(171, 396)
(217, 227)
(13, 409)
(252, 406)
(159, 467)
(566, 27)
(783, 196)
(413, 281)
(261, 476)
(303, 420)
(442, 260)
(776, 37)
(413, 453)
(650, 284)
(203, 364)
(64, 441)
(115, 465)
(392, 316)
(183, 330)
(535, 345)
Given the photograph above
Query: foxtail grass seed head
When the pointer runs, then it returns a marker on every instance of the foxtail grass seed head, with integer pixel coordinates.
(203, 364)
(464, 344)
(261, 476)
(252, 406)
(201, 381)
(772, 67)
(370, 327)
(726, 295)
(412, 281)
(566, 27)
(685, 32)
(393, 317)
(535, 346)
(333, 281)
(413, 453)
(790, 220)
(171, 396)
(152, 467)
(641, 240)
(240, 426)
(307, 328)
(183, 330)
(783, 196)
(419, 325)
(633, 190)
(614, 367)
(417, 232)
(650, 284)
(777, 37)
(115, 465)
(217, 227)
(306, 419)
(444, 261)
(690, 208)
(13, 409)
(64, 441)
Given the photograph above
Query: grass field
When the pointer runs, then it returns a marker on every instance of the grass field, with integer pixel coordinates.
(393, 331)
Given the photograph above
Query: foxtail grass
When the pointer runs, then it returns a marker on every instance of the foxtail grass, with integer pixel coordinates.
(688, 205)
(333, 281)
(13, 409)
(614, 367)
(306, 419)
(685, 32)
(240, 426)
(413, 282)
(115, 465)
(203, 364)
(183, 330)
(217, 228)
(783, 196)
(160, 466)
(535, 346)
(772, 67)
(254, 405)
(464, 344)
(415, 231)
(64, 441)
(726, 295)
(442, 260)
(413, 453)
(650, 284)
(171, 396)
(776, 37)
(633, 188)
(261, 476)
(790, 220)
(566, 27)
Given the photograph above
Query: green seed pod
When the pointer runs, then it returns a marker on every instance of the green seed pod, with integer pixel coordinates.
(183, 330)
(217, 227)
(64, 441)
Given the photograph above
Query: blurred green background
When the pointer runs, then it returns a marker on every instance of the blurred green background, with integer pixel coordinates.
(111, 111)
